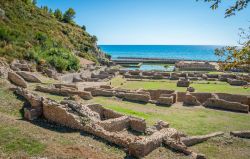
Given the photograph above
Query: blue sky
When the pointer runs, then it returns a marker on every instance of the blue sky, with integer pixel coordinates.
(169, 22)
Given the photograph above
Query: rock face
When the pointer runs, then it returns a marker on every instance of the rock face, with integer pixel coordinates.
(28, 76)
(226, 105)
(190, 100)
(183, 83)
(241, 134)
(192, 140)
(235, 82)
(17, 80)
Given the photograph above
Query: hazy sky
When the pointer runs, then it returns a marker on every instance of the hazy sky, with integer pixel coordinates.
(155, 21)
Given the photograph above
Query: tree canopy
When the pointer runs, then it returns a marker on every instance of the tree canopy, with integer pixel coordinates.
(235, 56)
(69, 15)
(237, 6)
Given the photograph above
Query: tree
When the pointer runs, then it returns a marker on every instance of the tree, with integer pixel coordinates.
(234, 56)
(34, 2)
(69, 15)
(45, 8)
(94, 39)
(84, 27)
(58, 14)
(237, 6)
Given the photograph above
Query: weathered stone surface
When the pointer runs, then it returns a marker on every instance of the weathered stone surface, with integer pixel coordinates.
(137, 97)
(241, 134)
(165, 101)
(226, 105)
(190, 89)
(102, 92)
(190, 100)
(17, 80)
(137, 124)
(31, 114)
(65, 92)
(105, 87)
(17, 65)
(116, 124)
(35, 101)
(58, 113)
(192, 140)
(28, 76)
(235, 82)
(50, 73)
(161, 125)
(183, 83)
(145, 145)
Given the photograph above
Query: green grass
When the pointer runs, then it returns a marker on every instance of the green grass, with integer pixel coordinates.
(9, 102)
(13, 141)
(200, 86)
(193, 121)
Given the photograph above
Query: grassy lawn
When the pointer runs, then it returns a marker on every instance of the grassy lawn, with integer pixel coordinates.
(12, 141)
(200, 86)
(192, 121)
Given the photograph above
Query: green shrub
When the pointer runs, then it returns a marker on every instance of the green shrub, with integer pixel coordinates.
(61, 59)
(5, 35)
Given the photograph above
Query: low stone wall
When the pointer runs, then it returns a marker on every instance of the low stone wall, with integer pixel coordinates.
(116, 124)
(136, 97)
(202, 97)
(226, 105)
(102, 92)
(65, 92)
(181, 96)
(60, 114)
(155, 94)
(243, 99)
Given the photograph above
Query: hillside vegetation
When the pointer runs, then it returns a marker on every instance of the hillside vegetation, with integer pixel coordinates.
(32, 33)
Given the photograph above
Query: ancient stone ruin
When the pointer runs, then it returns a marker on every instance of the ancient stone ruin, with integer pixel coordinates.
(109, 125)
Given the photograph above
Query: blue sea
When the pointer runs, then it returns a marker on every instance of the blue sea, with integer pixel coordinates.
(185, 52)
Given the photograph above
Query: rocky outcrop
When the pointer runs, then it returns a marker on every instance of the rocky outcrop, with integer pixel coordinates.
(17, 80)
(193, 140)
(241, 134)
(35, 111)
(29, 77)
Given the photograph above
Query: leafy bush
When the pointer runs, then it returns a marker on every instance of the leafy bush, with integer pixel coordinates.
(5, 35)
(60, 58)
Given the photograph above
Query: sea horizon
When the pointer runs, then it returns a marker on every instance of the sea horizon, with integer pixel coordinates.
(184, 52)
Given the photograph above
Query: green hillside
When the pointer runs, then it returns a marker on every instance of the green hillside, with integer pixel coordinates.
(32, 33)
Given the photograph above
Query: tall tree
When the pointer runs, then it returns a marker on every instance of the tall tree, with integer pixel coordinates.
(69, 15)
(58, 14)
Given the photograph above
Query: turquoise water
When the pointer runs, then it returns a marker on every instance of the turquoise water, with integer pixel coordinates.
(188, 52)
(148, 67)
